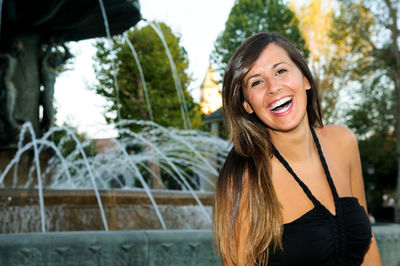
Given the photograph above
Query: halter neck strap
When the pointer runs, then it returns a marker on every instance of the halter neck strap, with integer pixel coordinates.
(306, 190)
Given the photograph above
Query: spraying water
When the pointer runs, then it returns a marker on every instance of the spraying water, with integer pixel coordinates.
(180, 153)
(183, 179)
(178, 85)
(33, 143)
(28, 126)
(181, 97)
(145, 186)
(104, 14)
(146, 94)
(114, 70)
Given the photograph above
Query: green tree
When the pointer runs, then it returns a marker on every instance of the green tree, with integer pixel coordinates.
(248, 17)
(373, 112)
(162, 93)
(369, 31)
(160, 84)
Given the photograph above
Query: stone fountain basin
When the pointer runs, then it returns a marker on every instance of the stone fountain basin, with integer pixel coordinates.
(152, 247)
(77, 210)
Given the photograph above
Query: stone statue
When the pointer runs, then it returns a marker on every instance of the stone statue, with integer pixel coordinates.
(48, 73)
(8, 92)
(27, 83)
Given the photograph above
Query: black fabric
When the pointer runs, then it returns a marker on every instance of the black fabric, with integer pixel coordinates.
(320, 238)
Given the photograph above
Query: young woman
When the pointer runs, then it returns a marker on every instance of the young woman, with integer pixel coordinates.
(291, 190)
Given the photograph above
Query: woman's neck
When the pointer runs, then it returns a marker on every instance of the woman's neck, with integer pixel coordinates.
(296, 145)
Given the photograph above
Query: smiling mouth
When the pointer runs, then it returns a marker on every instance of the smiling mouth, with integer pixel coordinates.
(282, 105)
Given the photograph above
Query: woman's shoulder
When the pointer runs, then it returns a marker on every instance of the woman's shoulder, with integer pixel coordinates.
(337, 135)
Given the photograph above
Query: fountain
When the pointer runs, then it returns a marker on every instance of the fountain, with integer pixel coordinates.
(43, 190)
(179, 153)
(127, 208)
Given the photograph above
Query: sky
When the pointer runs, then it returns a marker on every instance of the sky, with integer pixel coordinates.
(198, 22)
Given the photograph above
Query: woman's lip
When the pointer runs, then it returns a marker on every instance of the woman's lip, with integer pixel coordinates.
(282, 113)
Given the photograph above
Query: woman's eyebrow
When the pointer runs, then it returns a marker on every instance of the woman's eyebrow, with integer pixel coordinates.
(277, 64)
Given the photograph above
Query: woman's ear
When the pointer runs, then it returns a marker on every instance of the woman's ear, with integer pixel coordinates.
(306, 83)
(247, 107)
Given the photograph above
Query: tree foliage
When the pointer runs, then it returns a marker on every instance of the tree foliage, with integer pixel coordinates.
(160, 84)
(327, 58)
(356, 30)
(369, 31)
(248, 17)
(373, 112)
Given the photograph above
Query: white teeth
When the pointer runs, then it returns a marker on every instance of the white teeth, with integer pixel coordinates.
(282, 110)
(279, 103)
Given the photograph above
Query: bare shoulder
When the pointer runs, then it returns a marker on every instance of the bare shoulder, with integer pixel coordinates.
(341, 152)
(338, 135)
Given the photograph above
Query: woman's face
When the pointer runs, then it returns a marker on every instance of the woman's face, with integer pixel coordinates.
(275, 90)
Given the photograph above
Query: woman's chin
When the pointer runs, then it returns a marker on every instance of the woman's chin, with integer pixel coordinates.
(288, 125)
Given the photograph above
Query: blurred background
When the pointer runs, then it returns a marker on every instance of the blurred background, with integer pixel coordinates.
(110, 114)
(351, 47)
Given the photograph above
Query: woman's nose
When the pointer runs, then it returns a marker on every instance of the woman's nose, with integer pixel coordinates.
(274, 87)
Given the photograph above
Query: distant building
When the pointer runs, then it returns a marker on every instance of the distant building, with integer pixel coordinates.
(106, 146)
(210, 98)
(214, 122)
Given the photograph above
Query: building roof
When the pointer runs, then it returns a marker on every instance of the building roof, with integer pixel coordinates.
(216, 116)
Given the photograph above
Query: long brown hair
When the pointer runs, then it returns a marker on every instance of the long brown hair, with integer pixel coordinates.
(249, 160)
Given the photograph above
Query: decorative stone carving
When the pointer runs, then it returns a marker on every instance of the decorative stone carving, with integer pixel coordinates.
(28, 256)
(8, 92)
(52, 59)
(130, 255)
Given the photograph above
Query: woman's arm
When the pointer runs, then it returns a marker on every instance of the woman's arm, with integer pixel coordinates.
(372, 256)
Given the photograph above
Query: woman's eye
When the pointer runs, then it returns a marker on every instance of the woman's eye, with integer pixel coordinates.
(281, 71)
(255, 83)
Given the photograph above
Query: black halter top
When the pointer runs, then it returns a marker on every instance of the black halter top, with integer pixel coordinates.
(320, 238)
